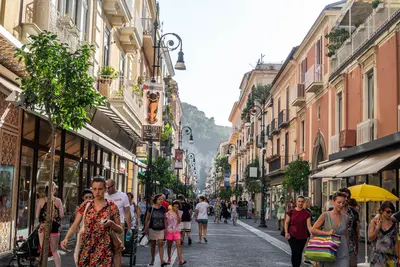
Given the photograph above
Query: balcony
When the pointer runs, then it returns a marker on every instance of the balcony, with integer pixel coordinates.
(313, 79)
(131, 35)
(119, 11)
(267, 132)
(283, 118)
(366, 131)
(249, 141)
(128, 101)
(278, 163)
(298, 95)
(334, 144)
(42, 15)
(274, 127)
(148, 38)
(376, 19)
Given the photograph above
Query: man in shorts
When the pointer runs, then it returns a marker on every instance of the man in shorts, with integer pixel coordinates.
(186, 225)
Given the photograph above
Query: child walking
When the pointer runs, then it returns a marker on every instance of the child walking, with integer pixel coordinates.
(173, 234)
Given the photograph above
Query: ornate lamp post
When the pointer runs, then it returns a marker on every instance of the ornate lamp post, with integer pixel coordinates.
(253, 111)
(233, 147)
(180, 65)
(190, 159)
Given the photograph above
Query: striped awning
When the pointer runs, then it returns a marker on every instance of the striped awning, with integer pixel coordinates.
(118, 119)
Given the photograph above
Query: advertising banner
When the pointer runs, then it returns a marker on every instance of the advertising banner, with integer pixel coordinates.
(153, 108)
(178, 159)
(226, 179)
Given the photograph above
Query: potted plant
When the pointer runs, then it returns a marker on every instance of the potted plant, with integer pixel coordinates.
(376, 4)
(107, 74)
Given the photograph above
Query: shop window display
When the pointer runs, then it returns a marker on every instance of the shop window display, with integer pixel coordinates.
(70, 190)
(6, 178)
(43, 173)
(24, 197)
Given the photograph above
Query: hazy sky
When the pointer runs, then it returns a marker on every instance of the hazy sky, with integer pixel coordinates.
(221, 38)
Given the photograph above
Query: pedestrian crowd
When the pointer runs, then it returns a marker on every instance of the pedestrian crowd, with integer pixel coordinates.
(332, 238)
(106, 218)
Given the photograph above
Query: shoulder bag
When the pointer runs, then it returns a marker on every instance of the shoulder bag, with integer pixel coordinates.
(323, 248)
(117, 243)
(290, 221)
(78, 237)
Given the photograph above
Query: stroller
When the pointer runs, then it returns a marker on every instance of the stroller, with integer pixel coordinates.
(26, 251)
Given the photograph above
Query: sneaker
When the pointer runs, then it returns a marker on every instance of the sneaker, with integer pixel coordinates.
(199, 241)
(169, 261)
(164, 264)
(190, 241)
(205, 239)
(182, 263)
(150, 264)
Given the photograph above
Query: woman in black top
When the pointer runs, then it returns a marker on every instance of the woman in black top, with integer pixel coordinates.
(58, 213)
(155, 228)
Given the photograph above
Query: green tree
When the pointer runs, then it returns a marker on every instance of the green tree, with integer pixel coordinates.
(223, 163)
(57, 85)
(225, 192)
(261, 93)
(296, 175)
(162, 173)
(252, 184)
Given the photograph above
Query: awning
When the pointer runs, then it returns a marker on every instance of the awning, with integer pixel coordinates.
(337, 169)
(373, 164)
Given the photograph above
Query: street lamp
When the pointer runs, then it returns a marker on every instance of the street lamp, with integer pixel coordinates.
(233, 147)
(180, 65)
(253, 111)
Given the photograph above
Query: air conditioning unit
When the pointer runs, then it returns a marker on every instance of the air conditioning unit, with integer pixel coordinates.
(347, 138)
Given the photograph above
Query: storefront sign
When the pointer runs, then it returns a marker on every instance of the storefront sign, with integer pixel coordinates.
(122, 165)
(153, 107)
(178, 159)
(253, 172)
(226, 179)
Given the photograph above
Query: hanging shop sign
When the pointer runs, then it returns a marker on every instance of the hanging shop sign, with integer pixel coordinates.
(226, 179)
(178, 159)
(122, 165)
(153, 94)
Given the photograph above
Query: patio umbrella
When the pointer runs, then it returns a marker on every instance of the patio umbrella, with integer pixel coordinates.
(366, 193)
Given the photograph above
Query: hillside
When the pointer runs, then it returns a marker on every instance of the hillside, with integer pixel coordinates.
(207, 136)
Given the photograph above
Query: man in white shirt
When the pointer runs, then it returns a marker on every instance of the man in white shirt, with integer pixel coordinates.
(122, 201)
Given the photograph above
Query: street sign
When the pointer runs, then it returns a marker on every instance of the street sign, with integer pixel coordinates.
(179, 159)
(226, 179)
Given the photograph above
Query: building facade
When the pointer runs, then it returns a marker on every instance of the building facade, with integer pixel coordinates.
(110, 145)
(246, 140)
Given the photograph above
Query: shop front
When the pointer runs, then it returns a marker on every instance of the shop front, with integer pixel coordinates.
(79, 157)
(379, 167)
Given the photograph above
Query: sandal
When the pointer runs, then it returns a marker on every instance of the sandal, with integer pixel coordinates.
(182, 263)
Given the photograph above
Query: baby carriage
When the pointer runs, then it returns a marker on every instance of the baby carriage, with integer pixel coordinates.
(26, 251)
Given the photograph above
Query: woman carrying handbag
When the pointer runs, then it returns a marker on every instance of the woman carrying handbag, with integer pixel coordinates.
(100, 218)
(334, 222)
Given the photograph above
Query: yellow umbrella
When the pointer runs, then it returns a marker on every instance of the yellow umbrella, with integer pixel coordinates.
(366, 193)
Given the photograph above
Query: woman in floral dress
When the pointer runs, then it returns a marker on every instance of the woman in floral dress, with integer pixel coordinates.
(101, 217)
(383, 235)
(217, 210)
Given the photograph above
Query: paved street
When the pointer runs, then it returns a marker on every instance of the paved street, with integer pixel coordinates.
(227, 246)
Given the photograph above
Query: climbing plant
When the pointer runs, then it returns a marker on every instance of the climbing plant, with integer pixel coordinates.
(336, 38)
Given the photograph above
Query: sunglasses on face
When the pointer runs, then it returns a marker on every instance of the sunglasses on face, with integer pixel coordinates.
(108, 187)
(389, 211)
(87, 197)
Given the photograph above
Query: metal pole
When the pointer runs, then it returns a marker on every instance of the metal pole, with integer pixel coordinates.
(148, 180)
(262, 219)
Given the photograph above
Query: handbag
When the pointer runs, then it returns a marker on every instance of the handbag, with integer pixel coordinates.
(117, 244)
(290, 220)
(79, 238)
(323, 248)
(144, 241)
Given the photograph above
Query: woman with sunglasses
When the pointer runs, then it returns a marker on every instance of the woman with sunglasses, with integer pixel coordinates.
(383, 235)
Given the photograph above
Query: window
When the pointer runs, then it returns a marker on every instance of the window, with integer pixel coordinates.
(122, 64)
(279, 105)
(302, 137)
(370, 95)
(106, 46)
(278, 146)
(339, 112)
(319, 112)
(287, 100)
(318, 52)
(303, 70)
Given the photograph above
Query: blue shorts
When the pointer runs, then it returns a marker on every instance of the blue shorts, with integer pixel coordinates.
(202, 221)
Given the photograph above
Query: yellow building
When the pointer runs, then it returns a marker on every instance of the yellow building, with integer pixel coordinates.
(122, 33)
